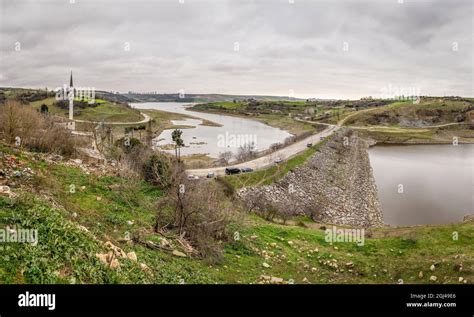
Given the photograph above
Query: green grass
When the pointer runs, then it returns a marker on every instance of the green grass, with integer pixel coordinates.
(379, 260)
(444, 110)
(66, 254)
(103, 204)
(228, 105)
(105, 110)
(279, 120)
(285, 123)
(273, 173)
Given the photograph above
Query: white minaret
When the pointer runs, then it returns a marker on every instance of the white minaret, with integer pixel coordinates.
(71, 92)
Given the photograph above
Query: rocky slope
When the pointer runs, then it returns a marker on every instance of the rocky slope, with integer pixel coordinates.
(335, 185)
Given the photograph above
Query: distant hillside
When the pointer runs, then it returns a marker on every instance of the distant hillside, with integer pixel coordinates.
(137, 97)
(112, 97)
(429, 111)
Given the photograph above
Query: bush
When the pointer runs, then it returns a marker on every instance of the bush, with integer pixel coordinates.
(200, 213)
(128, 147)
(26, 127)
(157, 170)
(141, 162)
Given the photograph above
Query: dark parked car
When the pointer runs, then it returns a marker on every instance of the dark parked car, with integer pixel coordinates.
(232, 170)
(246, 170)
(309, 145)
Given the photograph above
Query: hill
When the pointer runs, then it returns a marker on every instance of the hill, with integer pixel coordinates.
(156, 97)
(430, 111)
(91, 234)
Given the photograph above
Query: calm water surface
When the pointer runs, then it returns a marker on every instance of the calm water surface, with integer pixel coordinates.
(214, 140)
(438, 182)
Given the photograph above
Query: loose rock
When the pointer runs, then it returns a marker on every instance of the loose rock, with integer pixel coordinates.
(178, 253)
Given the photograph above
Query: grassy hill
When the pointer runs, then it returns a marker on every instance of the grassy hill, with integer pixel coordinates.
(433, 120)
(428, 112)
(74, 226)
(107, 106)
(101, 110)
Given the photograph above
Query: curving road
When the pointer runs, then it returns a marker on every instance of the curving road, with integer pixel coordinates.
(293, 149)
(146, 119)
(269, 159)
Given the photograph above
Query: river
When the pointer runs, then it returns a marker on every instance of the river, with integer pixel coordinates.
(213, 140)
(424, 184)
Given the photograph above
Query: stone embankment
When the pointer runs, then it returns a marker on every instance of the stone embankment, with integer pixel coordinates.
(335, 186)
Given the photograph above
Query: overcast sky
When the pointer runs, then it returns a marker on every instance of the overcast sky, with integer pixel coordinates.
(325, 49)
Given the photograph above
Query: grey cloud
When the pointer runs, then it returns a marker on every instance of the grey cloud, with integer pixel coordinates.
(282, 46)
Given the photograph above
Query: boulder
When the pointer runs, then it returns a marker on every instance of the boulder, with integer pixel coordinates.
(164, 242)
(178, 253)
(118, 252)
(132, 256)
(276, 280)
(6, 191)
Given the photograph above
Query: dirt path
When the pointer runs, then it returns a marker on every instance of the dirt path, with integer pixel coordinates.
(414, 128)
(146, 119)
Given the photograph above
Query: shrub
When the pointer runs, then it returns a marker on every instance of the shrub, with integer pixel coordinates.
(141, 162)
(157, 170)
(26, 127)
(200, 213)
(127, 145)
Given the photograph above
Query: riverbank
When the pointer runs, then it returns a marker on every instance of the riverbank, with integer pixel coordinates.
(275, 120)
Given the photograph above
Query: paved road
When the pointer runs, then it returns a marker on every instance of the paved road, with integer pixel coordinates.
(269, 159)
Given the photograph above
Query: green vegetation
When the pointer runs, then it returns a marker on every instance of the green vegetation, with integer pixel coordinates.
(105, 208)
(273, 173)
(77, 209)
(277, 114)
(433, 120)
(428, 112)
(103, 110)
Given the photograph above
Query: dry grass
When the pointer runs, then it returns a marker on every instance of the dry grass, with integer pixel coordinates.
(25, 127)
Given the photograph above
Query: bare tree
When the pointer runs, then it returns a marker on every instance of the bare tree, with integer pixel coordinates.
(199, 213)
(246, 152)
(225, 157)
